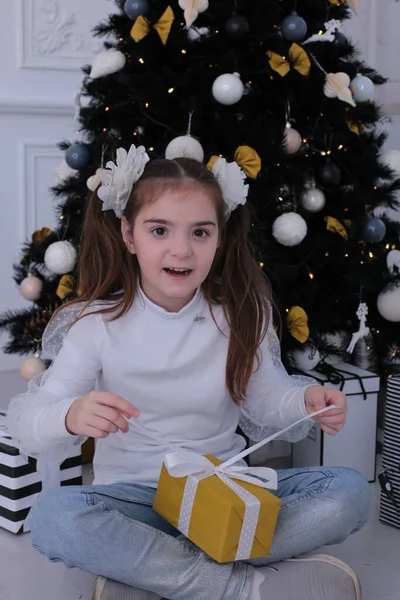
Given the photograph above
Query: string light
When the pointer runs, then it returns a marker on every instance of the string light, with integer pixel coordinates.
(394, 247)
(170, 90)
(280, 198)
(147, 105)
(346, 256)
(311, 275)
(261, 264)
(184, 51)
(387, 246)
(61, 217)
(104, 128)
(141, 61)
(151, 149)
(361, 262)
(305, 141)
(135, 133)
(371, 255)
(326, 253)
(340, 147)
(107, 108)
(320, 32)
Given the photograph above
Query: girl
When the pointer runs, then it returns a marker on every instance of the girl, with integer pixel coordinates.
(174, 323)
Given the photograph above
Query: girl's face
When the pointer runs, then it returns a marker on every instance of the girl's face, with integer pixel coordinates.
(175, 239)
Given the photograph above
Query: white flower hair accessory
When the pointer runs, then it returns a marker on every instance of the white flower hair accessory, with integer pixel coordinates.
(117, 180)
(231, 180)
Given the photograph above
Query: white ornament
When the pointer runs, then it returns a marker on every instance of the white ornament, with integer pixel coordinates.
(231, 180)
(305, 358)
(329, 36)
(62, 172)
(337, 86)
(363, 89)
(292, 140)
(228, 88)
(362, 313)
(392, 160)
(107, 62)
(118, 179)
(313, 200)
(184, 146)
(31, 288)
(195, 34)
(60, 257)
(94, 180)
(289, 229)
(389, 304)
(393, 261)
(31, 367)
(191, 9)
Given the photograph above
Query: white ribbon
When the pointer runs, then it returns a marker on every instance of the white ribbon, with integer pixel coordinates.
(184, 463)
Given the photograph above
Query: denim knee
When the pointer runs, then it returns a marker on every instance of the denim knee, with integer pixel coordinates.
(353, 496)
(48, 517)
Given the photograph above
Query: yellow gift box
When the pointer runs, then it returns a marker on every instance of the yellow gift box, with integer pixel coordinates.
(219, 508)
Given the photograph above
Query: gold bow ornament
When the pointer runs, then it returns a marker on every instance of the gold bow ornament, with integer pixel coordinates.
(297, 321)
(246, 157)
(39, 235)
(298, 60)
(142, 26)
(334, 226)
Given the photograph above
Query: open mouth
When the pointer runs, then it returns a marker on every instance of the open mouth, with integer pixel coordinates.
(178, 273)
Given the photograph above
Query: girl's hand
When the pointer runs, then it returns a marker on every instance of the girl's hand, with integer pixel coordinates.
(98, 414)
(317, 397)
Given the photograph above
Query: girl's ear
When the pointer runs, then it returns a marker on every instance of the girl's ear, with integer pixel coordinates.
(127, 235)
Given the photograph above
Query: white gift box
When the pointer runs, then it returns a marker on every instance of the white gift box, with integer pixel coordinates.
(389, 513)
(21, 483)
(355, 446)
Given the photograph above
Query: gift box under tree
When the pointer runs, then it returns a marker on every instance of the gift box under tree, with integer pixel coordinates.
(355, 446)
(390, 477)
(21, 482)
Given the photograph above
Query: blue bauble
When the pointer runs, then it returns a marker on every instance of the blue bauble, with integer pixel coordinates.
(77, 156)
(362, 88)
(374, 230)
(136, 8)
(294, 28)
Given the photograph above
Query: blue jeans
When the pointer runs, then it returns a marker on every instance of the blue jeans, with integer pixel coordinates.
(113, 531)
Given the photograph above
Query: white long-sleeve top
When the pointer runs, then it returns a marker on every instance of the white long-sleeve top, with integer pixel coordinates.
(172, 367)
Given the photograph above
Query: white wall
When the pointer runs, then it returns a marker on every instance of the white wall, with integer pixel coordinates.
(44, 44)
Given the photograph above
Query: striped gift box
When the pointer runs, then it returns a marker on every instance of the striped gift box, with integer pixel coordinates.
(20, 483)
(389, 514)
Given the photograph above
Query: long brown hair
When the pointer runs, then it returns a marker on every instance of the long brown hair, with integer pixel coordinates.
(108, 271)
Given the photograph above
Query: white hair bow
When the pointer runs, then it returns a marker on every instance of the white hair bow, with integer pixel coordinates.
(117, 180)
(231, 180)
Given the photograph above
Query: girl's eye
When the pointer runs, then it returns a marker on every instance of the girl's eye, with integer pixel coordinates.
(159, 231)
(201, 233)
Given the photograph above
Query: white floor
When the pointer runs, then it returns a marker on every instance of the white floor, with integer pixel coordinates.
(25, 575)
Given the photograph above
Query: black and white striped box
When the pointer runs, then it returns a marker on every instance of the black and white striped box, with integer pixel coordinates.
(20, 483)
(390, 513)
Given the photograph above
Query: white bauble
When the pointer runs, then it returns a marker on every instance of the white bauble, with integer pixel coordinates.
(292, 140)
(305, 358)
(31, 367)
(228, 88)
(31, 288)
(184, 146)
(60, 257)
(313, 200)
(62, 172)
(389, 304)
(362, 88)
(392, 160)
(289, 229)
(393, 261)
(107, 62)
(94, 180)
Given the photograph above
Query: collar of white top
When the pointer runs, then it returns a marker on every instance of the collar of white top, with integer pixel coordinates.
(189, 310)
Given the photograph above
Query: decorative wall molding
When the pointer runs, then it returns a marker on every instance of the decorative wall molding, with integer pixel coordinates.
(26, 106)
(55, 35)
(31, 153)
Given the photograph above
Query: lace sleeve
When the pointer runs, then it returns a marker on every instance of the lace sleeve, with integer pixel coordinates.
(274, 398)
(36, 418)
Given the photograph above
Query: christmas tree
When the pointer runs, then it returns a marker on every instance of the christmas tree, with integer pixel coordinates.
(278, 87)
